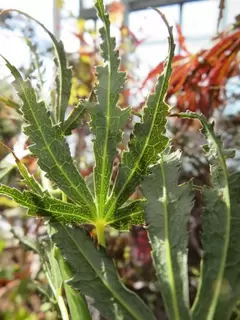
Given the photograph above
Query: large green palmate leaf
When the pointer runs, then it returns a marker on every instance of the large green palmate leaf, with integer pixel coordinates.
(50, 146)
(44, 205)
(107, 117)
(107, 120)
(167, 213)
(131, 213)
(148, 139)
(95, 276)
(64, 76)
(219, 279)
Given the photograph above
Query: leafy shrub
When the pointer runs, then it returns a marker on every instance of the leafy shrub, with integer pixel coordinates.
(72, 259)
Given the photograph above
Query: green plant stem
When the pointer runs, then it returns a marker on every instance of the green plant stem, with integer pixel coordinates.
(62, 307)
(58, 297)
(64, 197)
(100, 227)
(51, 270)
(76, 301)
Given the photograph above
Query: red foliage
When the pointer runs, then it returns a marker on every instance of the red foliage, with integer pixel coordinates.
(198, 80)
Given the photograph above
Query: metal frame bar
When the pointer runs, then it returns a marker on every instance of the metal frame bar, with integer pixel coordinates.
(133, 5)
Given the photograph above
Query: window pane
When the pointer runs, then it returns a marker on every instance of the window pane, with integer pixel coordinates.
(148, 24)
(147, 57)
(72, 6)
(87, 4)
(69, 13)
(233, 89)
(232, 9)
(151, 55)
(200, 18)
(41, 10)
(195, 45)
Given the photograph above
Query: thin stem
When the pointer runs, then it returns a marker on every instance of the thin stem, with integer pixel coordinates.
(100, 227)
(64, 197)
(59, 299)
(76, 301)
(62, 307)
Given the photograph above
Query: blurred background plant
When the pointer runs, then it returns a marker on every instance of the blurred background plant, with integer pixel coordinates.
(205, 79)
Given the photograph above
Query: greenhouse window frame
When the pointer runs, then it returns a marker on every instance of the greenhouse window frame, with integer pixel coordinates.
(133, 5)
